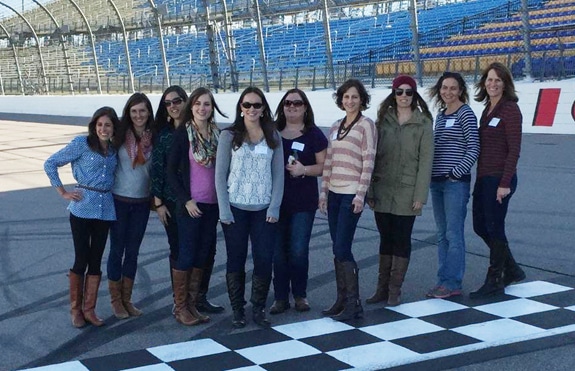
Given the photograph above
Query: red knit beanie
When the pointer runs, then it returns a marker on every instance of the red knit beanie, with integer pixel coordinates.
(404, 79)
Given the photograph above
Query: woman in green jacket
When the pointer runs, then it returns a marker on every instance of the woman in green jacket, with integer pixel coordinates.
(400, 181)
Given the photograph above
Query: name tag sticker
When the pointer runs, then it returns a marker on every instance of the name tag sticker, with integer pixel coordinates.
(261, 149)
(449, 123)
(298, 146)
(334, 135)
(494, 122)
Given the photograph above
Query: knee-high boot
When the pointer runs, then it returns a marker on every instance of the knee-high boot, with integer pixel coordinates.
(493, 284)
(91, 286)
(382, 290)
(181, 311)
(127, 288)
(203, 304)
(76, 299)
(512, 272)
(236, 282)
(172, 267)
(399, 267)
(352, 307)
(194, 279)
(260, 290)
(341, 291)
(115, 288)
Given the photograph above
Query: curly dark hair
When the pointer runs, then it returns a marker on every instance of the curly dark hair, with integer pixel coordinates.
(352, 83)
(435, 90)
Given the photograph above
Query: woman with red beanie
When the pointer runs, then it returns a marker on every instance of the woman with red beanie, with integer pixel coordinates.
(400, 182)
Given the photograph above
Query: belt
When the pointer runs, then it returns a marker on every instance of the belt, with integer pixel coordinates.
(93, 189)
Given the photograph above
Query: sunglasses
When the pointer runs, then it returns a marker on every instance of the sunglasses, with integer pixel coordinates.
(248, 105)
(408, 92)
(295, 103)
(175, 102)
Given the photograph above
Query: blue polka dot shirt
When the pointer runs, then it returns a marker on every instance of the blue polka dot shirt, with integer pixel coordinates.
(94, 174)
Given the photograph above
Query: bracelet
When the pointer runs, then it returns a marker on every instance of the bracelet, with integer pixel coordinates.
(304, 172)
(160, 205)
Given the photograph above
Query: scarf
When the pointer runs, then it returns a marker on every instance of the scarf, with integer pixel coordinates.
(203, 149)
(139, 150)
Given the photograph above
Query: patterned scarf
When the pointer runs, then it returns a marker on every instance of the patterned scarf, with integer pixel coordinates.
(139, 150)
(203, 149)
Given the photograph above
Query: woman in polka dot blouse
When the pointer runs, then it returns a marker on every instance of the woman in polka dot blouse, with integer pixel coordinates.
(93, 161)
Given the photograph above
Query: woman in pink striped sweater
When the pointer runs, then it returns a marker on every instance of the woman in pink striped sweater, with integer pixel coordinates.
(346, 176)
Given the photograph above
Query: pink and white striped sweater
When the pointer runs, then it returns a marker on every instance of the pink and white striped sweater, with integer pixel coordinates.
(349, 162)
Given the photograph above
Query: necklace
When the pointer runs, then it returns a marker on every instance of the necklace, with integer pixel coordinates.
(343, 131)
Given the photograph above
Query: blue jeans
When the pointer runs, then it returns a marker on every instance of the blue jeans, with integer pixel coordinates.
(126, 235)
(252, 226)
(197, 236)
(172, 230)
(342, 223)
(291, 256)
(450, 200)
(488, 214)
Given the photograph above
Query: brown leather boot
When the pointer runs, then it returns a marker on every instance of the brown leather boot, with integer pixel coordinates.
(127, 287)
(181, 312)
(382, 290)
(341, 300)
(397, 275)
(76, 298)
(115, 288)
(194, 281)
(91, 286)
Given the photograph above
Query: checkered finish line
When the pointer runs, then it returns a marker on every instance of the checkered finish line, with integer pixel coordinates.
(387, 337)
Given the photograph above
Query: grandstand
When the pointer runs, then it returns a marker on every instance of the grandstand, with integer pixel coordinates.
(79, 46)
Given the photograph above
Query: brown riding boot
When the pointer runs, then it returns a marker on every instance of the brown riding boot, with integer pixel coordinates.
(115, 288)
(91, 286)
(181, 312)
(382, 290)
(194, 281)
(127, 287)
(398, 270)
(76, 298)
(341, 299)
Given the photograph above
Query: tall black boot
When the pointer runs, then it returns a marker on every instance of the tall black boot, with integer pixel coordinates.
(494, 280)
(341, 291)
(203, 304)
(236, 291)
(260, 290)
(512, 272)
(352, 307)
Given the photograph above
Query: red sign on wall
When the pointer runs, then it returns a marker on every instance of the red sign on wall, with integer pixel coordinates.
(546, 107)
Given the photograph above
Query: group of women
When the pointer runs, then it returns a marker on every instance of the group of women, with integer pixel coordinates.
(258, 178)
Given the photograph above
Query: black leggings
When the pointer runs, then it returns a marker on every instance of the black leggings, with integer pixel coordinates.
(90, 236)
(394, 234)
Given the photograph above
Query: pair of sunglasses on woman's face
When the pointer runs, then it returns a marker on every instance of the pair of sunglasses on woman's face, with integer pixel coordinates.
(176, 102)
(408, 92)
(248, 105)
(295, 103)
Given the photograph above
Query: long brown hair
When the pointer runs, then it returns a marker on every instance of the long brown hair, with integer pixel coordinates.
(504, 74)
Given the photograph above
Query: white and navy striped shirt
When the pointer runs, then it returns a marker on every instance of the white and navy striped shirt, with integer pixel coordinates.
(456, 143)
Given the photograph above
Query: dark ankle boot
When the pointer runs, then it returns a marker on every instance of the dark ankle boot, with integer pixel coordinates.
(493, 284)
(352, 308)
(236, 291)
(203, 304)
(512, 272)
(194, 279)
(382, 290)
(76, 299)
(341, 291)
(397, 274)
(260, 290)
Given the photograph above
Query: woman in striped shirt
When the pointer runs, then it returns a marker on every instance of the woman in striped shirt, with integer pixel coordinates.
(456, 150)
(346, 176)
